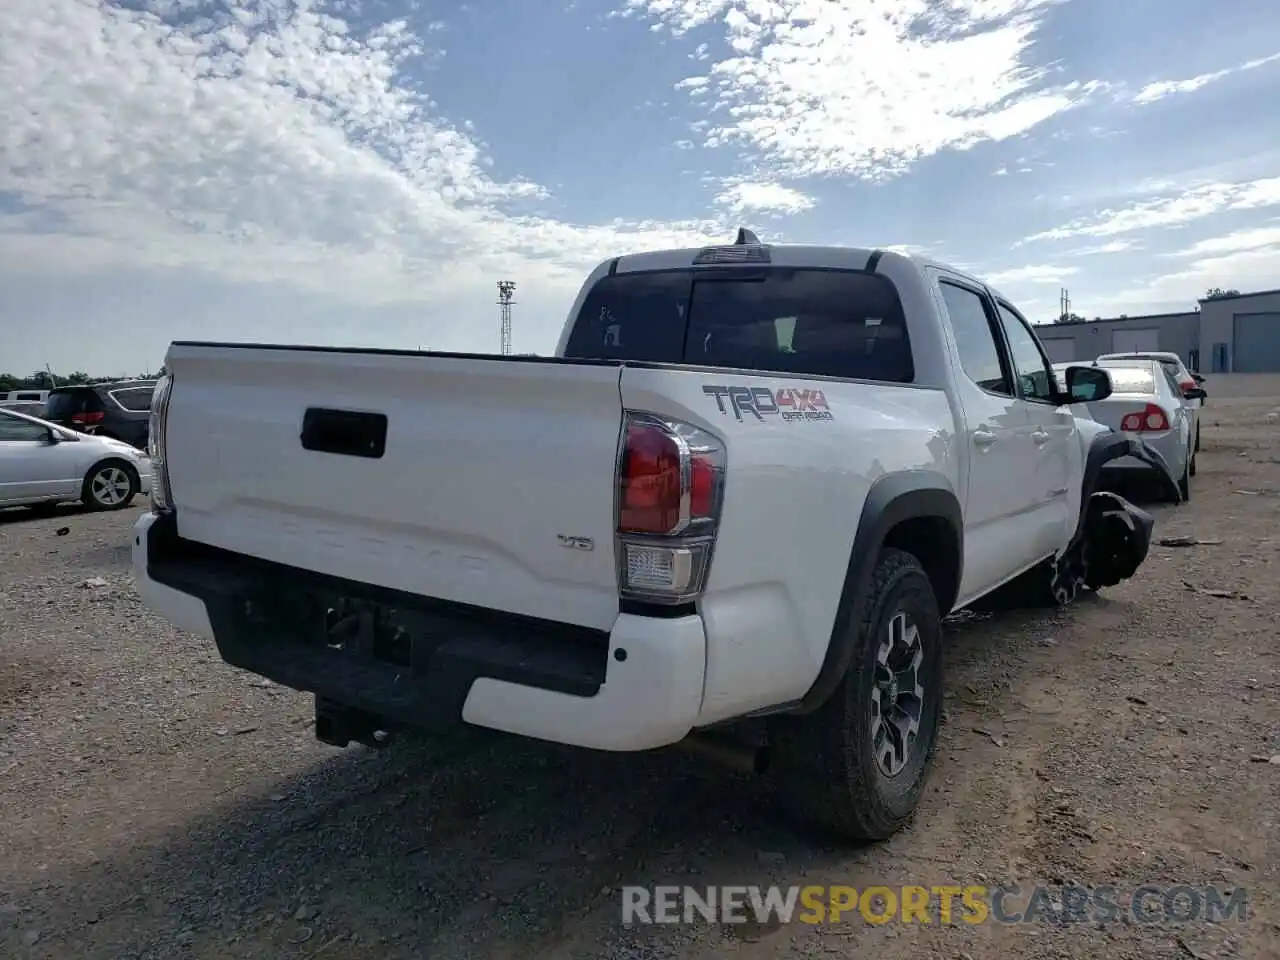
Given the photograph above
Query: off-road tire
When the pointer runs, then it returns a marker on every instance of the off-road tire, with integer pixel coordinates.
(827, 773)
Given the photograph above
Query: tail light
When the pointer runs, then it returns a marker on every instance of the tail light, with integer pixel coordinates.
(670, 488)
(161, 494)
(85, 419)
(1151, 419)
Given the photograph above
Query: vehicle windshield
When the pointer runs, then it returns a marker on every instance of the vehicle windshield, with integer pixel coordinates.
(836, 323)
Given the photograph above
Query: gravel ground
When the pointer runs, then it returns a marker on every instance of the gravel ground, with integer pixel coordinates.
(158, 803)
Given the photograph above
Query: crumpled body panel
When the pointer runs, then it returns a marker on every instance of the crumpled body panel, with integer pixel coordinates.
(1113, 534)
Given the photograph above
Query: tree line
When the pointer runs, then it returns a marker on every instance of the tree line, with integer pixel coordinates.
(45, 380)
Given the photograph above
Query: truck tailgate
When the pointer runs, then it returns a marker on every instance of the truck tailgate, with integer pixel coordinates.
(495, 485)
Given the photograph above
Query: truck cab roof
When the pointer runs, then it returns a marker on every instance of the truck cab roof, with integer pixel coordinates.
(803, 255)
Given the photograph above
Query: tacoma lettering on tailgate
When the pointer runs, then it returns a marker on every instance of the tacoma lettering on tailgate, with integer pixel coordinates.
(760, 402)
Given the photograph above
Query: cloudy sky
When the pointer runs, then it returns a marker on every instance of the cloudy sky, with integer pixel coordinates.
(364, 171)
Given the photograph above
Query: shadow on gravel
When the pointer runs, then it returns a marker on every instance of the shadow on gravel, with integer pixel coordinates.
(15, 515)
(480, 840)
(475, 846)
(480, 845)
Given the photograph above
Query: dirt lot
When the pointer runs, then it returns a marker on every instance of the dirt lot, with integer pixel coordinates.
(157, 803)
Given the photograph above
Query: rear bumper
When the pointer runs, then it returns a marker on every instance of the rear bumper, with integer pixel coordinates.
(1167, 445)
(636, 687)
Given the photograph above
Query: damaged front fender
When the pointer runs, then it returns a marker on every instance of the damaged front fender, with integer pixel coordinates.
(1113, 536)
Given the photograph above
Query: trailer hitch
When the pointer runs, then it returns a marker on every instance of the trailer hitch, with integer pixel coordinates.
(339, 725)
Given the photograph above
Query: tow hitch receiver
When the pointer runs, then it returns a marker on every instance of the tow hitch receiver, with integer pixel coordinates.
(338, 725)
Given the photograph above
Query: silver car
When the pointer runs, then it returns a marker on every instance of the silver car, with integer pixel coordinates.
(1191, 384)
(42, 465)
(1146, 401)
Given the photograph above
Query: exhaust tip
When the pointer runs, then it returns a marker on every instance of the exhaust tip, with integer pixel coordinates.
(725, 751)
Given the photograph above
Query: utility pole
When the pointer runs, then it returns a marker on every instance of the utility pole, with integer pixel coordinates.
(506, 291)
(1064, 305)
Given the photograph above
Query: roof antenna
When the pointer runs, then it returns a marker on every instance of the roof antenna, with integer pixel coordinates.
(745, 236)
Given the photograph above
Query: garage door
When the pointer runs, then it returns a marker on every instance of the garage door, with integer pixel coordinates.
(1061, 350)
(1257, 343)
(1135, 341)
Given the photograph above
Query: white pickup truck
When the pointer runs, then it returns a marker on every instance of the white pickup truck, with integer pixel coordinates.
(751, 483)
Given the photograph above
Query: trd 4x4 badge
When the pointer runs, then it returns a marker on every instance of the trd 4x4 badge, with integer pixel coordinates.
(761, 402)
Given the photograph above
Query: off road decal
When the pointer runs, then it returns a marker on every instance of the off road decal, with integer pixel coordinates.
(786, 403)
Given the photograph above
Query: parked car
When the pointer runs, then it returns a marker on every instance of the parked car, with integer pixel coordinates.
(117, 410)
(43, 464)
(36, 396)
(1147, 401)
(1191, 384)
(32, 407)
(751, 483)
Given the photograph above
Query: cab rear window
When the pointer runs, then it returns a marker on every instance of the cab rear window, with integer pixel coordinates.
(835, 323)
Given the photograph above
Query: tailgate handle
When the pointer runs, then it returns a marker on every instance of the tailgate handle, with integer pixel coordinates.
(348, 433)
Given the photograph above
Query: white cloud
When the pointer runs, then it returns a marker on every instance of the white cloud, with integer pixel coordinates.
(867, 88)
(1114, 246)
(747, 197)
(1182, 208)
(1251, 269)
(263, 140)
(1040, 273)
(1165, 88)
(1239, 242)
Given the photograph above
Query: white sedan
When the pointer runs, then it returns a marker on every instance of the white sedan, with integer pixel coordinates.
(42, 465)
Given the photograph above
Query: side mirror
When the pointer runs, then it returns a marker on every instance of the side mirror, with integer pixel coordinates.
(1194, 393)
(1086, 385)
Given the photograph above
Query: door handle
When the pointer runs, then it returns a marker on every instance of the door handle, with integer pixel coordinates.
(983, 437)
(1041, 437)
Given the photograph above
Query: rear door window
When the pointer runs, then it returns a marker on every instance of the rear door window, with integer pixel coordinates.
(832, 323)
(976, 338)
(135, 398)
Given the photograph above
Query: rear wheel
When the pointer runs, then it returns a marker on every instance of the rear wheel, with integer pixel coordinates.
(857, 765)
(110, 485)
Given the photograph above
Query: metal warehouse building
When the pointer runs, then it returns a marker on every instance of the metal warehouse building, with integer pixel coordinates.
(1232, 334)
